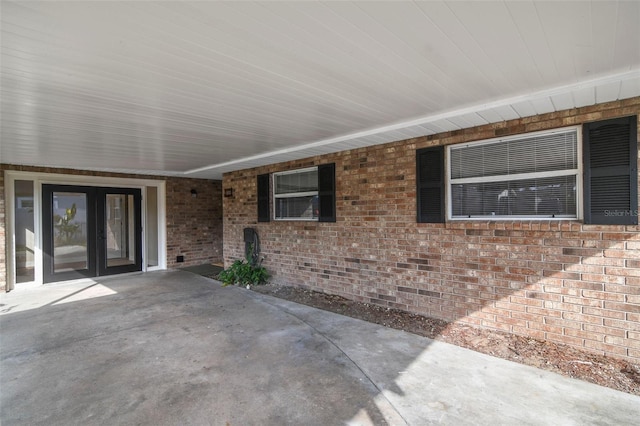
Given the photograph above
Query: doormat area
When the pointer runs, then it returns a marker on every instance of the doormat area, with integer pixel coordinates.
(207, 270)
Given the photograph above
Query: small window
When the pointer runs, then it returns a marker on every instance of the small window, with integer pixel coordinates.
(531, 176)
(295, 195)
(24, 203)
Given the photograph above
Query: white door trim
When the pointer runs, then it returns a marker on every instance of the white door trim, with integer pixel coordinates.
(40, 178)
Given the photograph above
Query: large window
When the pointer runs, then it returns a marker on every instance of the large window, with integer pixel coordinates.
(531, 176)
(295, 194)
(588, 172)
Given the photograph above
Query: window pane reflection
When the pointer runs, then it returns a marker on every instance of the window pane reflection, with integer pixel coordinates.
(119, 230)
(552, 197)
(69, 231)
(24, 236)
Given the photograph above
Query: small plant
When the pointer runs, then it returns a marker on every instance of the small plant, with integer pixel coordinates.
(244, 272)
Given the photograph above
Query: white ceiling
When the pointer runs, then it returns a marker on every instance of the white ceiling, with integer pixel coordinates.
(201, 88)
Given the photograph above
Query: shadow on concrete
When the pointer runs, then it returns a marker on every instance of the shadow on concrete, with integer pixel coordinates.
(176, 348)
(170, 348)
(206, 270)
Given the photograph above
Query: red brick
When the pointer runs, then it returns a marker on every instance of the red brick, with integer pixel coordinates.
(601, 278)
(527, 317)
(598, 329)
(621, 324)
(581, 334)
(633, 354)
(625, 272)
(604, 313)
(583, 285)
(620, 236)
(547, 328)
(603, 295)
(626, 254)
(604, 261)
(566, 307)
(625, 307)
(544, 312)
(511, 321)
(563, 323)
(614, 340)
(581, 318)
(582, 301)
(525, 301)
(631, 343)
(573, 341)
(496, 325)
(585, 269)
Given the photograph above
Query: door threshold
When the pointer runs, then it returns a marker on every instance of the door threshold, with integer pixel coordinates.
(78, 281)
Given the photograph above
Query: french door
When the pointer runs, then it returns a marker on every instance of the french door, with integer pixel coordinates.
(90, 231)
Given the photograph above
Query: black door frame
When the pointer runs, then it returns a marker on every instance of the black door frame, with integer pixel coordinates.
(101, 253)
(96, 223)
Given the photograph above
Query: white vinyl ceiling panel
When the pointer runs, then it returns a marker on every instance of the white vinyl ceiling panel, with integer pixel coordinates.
(629, 88)
(200, 88)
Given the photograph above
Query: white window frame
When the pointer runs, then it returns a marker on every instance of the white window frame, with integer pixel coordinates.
(292, 194)
(567, 172)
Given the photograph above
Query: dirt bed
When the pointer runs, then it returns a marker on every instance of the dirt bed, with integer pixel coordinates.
(605, 371)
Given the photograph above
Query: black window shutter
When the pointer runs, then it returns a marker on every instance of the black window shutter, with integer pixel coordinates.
(430, 184)
(263, 198)
(327, 192)
(610, 151)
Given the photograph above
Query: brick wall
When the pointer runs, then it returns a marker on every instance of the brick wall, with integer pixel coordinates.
(557, 280)
(194, 225)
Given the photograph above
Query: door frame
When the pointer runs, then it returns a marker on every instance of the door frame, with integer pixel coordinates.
(47, 233)
(41, 178)
(96, 217)
(102, 267)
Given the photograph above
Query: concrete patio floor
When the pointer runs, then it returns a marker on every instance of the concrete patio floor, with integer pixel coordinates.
(174, 348)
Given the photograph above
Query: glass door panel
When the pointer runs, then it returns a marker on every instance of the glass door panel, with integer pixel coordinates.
(70, 242)
(68, 223)
(152, 226)
(24, 231)
(120, 230)
(90, 231)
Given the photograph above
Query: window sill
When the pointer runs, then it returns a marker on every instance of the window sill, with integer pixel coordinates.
(512, 218)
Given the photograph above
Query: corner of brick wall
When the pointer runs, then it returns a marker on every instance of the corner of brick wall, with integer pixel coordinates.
(194, 224)
(560, 281)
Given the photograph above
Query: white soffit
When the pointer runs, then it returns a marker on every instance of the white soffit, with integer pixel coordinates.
(580, 95)
(198, 89)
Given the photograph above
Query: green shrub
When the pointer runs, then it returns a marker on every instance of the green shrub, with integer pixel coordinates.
(243, 273)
